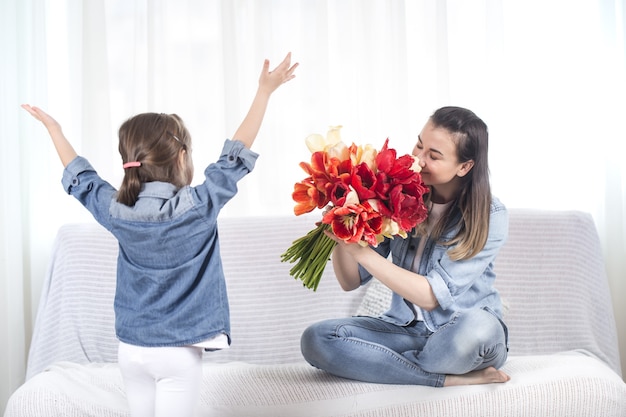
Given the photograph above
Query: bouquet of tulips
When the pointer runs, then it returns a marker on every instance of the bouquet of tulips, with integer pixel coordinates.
(366, 195)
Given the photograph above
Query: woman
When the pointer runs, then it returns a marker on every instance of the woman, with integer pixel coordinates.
(444, 326)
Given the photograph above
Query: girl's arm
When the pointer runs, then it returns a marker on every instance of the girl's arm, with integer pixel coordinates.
(63, 147)
(409, 285)
(269, 81)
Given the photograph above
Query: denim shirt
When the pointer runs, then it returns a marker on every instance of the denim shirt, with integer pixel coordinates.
(170, 288)
(457, 285)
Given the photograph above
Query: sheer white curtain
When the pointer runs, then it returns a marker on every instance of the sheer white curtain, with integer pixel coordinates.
(547, 76)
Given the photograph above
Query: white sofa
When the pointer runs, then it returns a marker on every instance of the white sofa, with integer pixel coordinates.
(563, 360)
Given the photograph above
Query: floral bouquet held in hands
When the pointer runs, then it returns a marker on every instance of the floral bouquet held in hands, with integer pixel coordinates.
(367, 195)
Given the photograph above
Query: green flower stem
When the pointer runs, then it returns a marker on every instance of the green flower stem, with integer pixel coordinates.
(310, 253)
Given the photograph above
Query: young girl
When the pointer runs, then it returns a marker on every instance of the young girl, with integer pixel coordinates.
(444, 326)
(170, 300)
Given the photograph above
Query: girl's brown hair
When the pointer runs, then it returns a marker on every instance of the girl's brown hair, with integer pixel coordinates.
(156, 141)
(469, 212)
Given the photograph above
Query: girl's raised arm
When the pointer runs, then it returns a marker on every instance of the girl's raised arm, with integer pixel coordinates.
(63, 147)
(268, 82)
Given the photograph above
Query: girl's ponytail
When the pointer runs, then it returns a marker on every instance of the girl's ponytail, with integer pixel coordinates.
(131, 185)
(152, 147)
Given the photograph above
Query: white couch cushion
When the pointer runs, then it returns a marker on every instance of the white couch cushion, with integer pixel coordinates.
(568, 384)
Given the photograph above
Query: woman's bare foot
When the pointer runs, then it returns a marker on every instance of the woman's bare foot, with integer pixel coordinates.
(483, 376)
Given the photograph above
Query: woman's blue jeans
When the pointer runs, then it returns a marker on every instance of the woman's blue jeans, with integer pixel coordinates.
(372, 350)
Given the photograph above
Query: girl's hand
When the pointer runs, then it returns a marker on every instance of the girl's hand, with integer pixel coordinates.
(47, 120)
(271, 80)
(268, 82)
(63, 147)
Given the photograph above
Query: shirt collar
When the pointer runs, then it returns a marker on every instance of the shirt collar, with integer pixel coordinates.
(158, 189)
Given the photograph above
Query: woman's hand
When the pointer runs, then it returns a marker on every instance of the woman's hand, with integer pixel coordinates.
(353, 249)
(345, 262)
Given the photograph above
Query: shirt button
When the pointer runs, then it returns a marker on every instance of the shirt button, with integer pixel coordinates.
(74, 181)
(231, 158)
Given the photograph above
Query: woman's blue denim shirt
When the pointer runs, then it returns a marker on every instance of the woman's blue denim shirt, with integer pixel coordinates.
(457, 285)
(170, 282)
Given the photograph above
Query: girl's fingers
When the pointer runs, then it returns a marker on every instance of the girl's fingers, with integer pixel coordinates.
(31, 110)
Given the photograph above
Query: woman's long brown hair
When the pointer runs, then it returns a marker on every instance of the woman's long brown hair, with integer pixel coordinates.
(469, 212)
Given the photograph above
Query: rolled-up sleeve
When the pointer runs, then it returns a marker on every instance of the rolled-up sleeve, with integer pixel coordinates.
(82, 181)
(221, 177)
(72, 171)
(235, 150)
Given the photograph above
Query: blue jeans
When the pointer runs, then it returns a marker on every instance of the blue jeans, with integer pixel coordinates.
(372, 350)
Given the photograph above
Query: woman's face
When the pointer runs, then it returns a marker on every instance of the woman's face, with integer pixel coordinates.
(441, 168)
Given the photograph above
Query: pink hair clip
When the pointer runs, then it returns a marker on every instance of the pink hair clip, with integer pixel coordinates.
(133, 164)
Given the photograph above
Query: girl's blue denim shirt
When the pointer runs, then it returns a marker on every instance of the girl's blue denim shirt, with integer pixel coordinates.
(170, 289)
(457, 285)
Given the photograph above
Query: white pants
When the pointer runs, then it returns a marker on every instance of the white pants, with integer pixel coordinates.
(161, 382)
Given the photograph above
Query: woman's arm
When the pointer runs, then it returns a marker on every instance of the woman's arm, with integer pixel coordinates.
(409, 285)
(63, 147)
(346, 269)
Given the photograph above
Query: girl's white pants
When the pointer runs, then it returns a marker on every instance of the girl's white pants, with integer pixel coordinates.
(162, 381)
